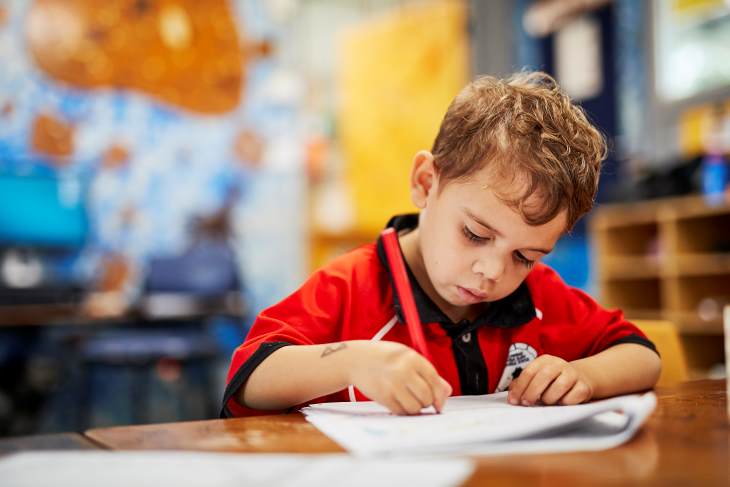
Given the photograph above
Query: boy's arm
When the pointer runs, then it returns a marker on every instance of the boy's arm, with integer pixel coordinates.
(620, 369)
(296, 374)
(390, 373)
(588, 351)
(309, 316)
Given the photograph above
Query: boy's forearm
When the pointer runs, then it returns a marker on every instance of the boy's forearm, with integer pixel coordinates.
(621, 369)
(295, 374)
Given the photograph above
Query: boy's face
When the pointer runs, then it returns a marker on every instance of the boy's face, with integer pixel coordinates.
(474, 247)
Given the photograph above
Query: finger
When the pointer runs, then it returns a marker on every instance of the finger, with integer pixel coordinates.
(579, 393)
(440, 389)
(559, 387)
(407, 401)
(539, 383)
(421, 390)
(443, 392)
(392, 405)
(518, 386)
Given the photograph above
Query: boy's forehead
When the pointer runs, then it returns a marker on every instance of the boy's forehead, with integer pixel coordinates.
(482, 197)
(488, 181)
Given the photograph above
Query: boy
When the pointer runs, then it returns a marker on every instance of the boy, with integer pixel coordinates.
(513, 167)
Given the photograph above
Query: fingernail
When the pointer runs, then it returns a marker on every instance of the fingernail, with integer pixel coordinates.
(525, 402)
(512, 400)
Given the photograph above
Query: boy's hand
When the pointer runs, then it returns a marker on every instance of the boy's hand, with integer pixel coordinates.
(398, 377)
(550, 380)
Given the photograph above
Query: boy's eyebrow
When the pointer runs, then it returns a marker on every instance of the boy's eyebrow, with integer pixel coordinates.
(485, 225)
(542, 251)
(492, 229)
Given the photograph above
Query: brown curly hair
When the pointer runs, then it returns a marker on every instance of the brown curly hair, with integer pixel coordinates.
(528, 131)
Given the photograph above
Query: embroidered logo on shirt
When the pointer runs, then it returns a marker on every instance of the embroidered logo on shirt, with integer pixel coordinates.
(520, 354)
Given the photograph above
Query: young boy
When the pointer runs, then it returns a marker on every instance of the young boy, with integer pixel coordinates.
(513, 167)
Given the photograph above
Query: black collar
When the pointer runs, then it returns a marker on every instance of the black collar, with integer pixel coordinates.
(509, 312)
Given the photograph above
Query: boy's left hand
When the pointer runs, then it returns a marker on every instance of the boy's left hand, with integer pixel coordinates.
(550, 380)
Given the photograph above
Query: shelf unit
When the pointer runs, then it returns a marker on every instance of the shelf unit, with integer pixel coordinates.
(668, 259)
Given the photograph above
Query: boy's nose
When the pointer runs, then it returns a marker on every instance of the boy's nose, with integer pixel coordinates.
(489, 269)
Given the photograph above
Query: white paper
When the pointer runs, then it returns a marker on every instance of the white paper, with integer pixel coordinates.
(183, 469)
(482, 424)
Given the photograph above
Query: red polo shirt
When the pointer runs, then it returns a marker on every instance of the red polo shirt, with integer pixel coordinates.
(352, 298)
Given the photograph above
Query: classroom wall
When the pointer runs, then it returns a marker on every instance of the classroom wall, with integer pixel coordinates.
(156, 117)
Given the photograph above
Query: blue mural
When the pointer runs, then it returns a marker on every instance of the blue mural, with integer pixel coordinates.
(136, 146)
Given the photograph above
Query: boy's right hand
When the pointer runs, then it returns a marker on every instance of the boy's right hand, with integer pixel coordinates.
(397, 377)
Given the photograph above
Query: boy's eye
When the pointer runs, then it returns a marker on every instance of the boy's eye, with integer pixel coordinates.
(524, 260)
(474, 237)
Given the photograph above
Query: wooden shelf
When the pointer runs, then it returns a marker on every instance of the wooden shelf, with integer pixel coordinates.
(643, 314)
(629, 268)
(700, 265)
(606, 217)
(655, 211)
(661, 259)
(692, 207)
(687, 323)
(690, 323)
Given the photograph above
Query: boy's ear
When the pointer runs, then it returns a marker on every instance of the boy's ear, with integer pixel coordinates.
(423, 178)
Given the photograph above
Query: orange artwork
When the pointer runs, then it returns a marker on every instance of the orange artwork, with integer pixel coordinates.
(3, 15)
(249, 148)
(185, 53)
(115, 156)
(109, 299)
(115, 273)
(53, 137)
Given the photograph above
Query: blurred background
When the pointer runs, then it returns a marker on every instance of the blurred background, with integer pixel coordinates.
(168, 168)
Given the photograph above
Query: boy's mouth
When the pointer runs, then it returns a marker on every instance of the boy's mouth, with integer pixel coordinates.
(471, 295)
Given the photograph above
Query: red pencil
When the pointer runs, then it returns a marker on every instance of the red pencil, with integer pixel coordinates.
(403, 288)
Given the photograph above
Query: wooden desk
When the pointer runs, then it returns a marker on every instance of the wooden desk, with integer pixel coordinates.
(686, 441)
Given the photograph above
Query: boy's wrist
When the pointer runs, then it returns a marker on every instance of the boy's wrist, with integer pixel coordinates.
(356, 349)
(587, 374)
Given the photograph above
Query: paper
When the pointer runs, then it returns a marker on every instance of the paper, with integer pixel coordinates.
(183, 469)
(482, 424)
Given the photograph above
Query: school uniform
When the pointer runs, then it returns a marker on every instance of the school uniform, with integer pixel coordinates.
(353, 298)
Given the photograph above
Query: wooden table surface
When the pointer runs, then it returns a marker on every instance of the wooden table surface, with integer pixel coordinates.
(686, 441)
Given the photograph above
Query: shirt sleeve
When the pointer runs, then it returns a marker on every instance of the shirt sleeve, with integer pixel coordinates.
(583, 328)
(311, 315)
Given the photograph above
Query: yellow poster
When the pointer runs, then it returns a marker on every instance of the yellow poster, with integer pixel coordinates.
(398, 74)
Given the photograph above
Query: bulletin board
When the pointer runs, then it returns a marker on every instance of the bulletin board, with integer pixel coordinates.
(397, 74)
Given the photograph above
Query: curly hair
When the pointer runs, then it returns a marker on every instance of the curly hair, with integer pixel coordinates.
(526, 129)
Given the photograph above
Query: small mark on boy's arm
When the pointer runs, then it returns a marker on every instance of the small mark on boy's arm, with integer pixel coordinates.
(330, 349)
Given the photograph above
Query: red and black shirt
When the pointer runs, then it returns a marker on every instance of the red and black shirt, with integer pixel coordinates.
(352, 298)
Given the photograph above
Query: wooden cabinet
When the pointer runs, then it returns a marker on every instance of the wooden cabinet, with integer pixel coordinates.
(668, 259)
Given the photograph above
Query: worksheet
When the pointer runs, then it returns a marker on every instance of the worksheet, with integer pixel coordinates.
(486, 424)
